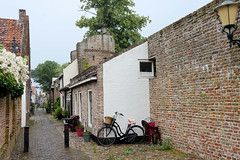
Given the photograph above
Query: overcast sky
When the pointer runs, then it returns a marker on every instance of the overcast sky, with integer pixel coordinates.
(53, 34)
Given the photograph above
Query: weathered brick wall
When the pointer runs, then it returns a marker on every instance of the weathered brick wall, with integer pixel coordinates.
(10, 123)
(83, 89)
(94, 49)
(195, 96)
(2, 121)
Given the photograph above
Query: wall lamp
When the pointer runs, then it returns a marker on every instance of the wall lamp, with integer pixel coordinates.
(228, 12)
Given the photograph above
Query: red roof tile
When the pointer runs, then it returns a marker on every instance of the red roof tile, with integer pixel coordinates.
(10, 29)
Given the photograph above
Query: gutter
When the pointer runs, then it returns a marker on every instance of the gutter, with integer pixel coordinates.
(84, 81)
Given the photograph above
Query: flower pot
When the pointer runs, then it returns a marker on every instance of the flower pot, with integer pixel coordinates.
(79, 132)
(86, 137)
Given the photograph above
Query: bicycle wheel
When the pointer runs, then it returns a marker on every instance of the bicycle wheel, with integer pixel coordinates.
(106, 136)
(135, 134)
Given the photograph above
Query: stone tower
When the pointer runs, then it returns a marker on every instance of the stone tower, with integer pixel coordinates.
(93, 50)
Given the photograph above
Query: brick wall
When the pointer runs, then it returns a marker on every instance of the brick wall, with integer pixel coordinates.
(83, 89)
(195, 96)
(10, 123)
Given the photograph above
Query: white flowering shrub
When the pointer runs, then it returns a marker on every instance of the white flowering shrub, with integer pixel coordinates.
(16, 65)
(13, 72)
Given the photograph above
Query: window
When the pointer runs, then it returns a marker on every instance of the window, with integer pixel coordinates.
(80, 107)
(75, 103)
(146, 68)
(90, 108)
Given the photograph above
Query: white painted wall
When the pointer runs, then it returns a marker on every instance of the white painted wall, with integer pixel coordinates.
(70, 72)
(24, 108)
(123, 90)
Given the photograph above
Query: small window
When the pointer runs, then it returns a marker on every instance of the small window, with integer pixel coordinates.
(90, 116)
(75, 103)
(146, 68)
(80, 106)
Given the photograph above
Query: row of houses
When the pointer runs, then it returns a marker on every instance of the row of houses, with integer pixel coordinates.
(185, 77)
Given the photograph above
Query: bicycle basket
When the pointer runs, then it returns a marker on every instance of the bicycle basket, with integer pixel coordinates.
(108, 120)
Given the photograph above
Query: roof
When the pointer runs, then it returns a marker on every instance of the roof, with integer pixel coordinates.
(11, 35)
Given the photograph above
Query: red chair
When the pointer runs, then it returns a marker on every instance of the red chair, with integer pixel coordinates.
(152, 133)
(73, 122)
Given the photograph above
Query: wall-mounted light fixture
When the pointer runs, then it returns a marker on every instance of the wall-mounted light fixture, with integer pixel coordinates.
(15, 46)
(228, 12)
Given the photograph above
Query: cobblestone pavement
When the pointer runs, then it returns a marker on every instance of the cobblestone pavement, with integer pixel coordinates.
(125, 151)
(46, 143)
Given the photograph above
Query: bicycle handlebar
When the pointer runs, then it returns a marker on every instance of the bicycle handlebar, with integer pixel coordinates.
(121, 114)
(117, 113)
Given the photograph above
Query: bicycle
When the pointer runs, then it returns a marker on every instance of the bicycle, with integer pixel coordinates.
(107, 135)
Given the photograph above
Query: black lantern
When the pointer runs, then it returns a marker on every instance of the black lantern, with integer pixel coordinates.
(15, 46)
(228, 12)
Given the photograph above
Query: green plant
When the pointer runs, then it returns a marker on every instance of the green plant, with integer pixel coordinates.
(54, 115)
(94, 149)
(165, 146)
(111, 157)
(8, 85)
(58, 113)
(87, 132)
(128, 150)
(56, 104)
(65, 113)
(142, 149)
(79, 127)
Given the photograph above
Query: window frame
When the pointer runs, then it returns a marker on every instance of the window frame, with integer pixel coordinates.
(152, 75)
(75, 103)
(80, 105)
(90, 116)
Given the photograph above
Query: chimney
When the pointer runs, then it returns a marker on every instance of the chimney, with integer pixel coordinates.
(22, 15)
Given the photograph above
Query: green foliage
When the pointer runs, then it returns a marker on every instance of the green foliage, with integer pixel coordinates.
(58, 113)
(142, 149)
(95, 149)
(87, 132)
(165, 146)
(44, 72)
(60, 69)
(111, 157)
(85, 64)
(56, 104)
(79, 127)
(128, 150)
(8, 85)
(54, 115)
(1, 47)
(65, 113)
(122, 22)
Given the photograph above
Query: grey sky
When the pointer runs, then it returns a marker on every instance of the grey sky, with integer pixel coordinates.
(53, 34)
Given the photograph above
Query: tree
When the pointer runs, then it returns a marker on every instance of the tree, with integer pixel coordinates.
(122, 22)
(45, 71)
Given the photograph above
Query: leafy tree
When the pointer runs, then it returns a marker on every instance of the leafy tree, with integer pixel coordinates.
(60, 69)
(44, 72)
(122, 22)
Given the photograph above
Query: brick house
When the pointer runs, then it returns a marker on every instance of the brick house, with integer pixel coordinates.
(111, 83)
(14, 37)
(54, 93)
(86, 87)
(194, 92)
(195, 95)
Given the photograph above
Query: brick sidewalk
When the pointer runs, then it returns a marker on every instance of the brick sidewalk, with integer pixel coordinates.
(46, 143)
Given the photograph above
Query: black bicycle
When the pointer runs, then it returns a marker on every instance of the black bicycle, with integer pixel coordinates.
(108, 134)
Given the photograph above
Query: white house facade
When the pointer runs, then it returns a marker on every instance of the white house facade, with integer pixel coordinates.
(124, 90)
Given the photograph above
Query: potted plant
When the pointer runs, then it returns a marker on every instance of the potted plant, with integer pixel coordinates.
(86, 136)
(79, 130)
